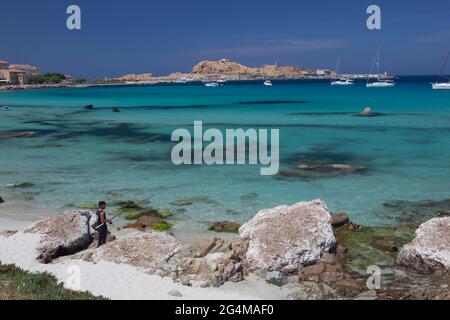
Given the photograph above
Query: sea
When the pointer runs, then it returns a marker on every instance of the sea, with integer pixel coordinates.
(76, 157)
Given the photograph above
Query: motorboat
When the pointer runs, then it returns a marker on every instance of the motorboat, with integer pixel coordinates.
(268, 83)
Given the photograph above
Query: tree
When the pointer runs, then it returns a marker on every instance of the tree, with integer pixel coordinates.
(47, 78)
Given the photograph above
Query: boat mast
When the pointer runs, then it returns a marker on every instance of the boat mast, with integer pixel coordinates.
(338, 65)
(444, 66)
(378, 63)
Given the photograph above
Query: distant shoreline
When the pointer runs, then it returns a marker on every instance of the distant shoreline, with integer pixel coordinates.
(176, 82)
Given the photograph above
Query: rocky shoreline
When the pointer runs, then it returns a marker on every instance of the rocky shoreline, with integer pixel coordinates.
(303, 249)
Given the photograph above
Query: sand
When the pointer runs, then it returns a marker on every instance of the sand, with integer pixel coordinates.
(120, 281)
(10, 224)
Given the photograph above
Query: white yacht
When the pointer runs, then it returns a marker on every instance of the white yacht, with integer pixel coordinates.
(268, 83)
(211, 84)
(379, 82)
(340, 80)
(442, 85)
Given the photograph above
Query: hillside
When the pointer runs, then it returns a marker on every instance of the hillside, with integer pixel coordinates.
(225, 69)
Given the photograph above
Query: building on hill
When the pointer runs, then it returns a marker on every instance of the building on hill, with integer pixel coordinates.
(4, 64)
(16, 74)
(28, 69)
(324, 72)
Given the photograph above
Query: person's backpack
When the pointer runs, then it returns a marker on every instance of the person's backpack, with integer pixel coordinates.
(97, 223)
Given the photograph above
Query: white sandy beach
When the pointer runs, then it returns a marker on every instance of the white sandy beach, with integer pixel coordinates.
(123, 282)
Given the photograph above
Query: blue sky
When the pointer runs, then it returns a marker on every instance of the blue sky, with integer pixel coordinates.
(163, 36)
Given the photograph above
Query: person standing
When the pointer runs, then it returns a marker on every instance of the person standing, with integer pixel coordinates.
(102, 228)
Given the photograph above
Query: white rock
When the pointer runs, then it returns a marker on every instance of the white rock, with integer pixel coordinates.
(429, 252)
(367, 111)
(287, 238)
(140, 249)
(64, 234)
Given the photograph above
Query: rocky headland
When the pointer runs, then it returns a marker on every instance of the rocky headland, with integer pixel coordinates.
(224, 69)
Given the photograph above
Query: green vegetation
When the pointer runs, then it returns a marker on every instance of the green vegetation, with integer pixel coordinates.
(16, 284)
(47, 78)
(136, 214)
(161, 226)
(164, 213)
(131, 212)
(79, 81)
(121, 203)
(361, 251)
(25, 197)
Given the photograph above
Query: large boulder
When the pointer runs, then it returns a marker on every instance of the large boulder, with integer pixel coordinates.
(287, 238)
(64, 234)
(207, 262)
(140, 249)
(429, 252)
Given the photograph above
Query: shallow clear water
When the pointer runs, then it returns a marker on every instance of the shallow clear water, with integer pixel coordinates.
(106, 155)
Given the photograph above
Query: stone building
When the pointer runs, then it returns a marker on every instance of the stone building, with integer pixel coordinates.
(16, 74)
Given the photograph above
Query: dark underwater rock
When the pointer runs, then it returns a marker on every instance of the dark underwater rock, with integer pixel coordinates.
(17, 134)
(148, 219)
(416, 212)
(322, 169)
(225, 226)
(385, 243)
(181, 203)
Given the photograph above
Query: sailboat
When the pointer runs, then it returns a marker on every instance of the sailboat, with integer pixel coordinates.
(442, 85)
(379, 83)
(340, 81)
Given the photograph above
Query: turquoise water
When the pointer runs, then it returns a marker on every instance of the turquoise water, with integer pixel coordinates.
(82, 156)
